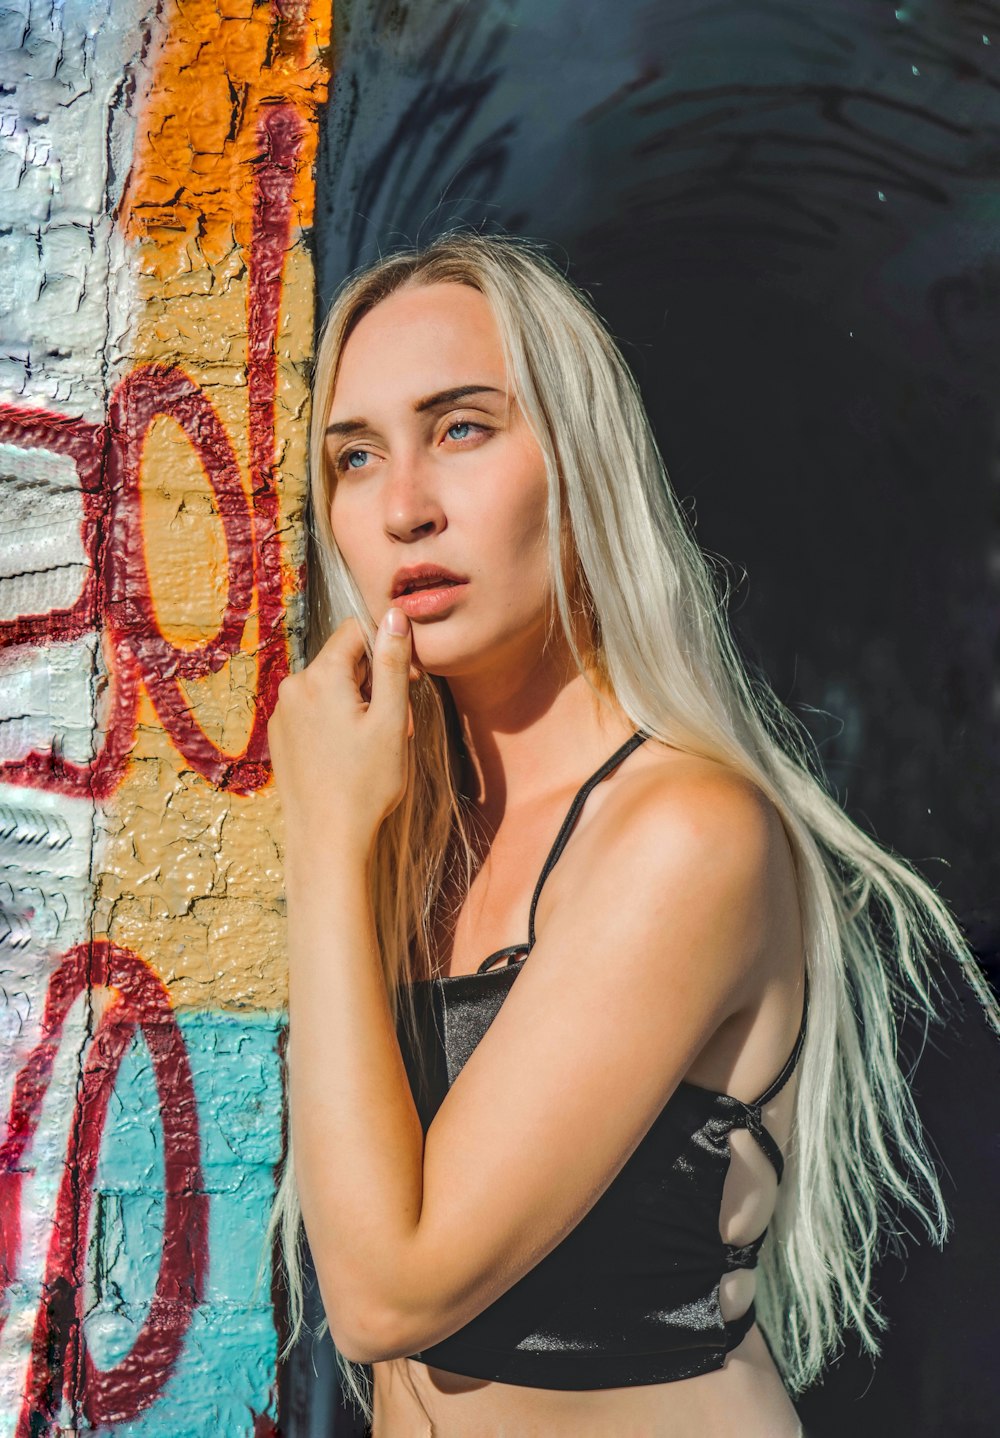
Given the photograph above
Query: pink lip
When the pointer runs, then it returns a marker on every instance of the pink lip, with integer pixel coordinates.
(413, 575)
(422, 603)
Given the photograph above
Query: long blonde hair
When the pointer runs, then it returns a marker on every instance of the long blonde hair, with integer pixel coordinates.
(875, 930)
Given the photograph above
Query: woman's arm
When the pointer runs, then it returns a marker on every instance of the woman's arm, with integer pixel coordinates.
(357, 1139)
(623, 989)
(340, 763)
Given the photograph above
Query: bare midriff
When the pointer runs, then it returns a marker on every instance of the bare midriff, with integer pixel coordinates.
(744, 1399)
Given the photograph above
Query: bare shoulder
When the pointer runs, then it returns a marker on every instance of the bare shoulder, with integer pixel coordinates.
(676, 811)
(686, 796)
(699, 849)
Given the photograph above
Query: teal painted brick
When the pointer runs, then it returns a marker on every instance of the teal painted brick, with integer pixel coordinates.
(225, 1376)
(225, 1373)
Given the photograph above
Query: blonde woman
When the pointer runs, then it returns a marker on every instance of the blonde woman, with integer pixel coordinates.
(595, 1109)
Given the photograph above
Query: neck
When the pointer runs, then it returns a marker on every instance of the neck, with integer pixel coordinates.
(533, 730)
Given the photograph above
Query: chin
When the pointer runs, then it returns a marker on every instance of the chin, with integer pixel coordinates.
(445, 654)
(443, 665)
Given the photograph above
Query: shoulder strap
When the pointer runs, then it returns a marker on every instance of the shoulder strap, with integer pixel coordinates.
(793, 1057)
(621, 753)
(752, 1118)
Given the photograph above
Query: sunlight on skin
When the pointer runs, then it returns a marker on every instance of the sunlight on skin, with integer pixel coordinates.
(461, 484)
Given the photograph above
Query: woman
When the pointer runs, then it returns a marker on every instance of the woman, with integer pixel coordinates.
(596, 1113)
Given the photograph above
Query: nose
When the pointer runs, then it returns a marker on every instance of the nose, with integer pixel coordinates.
(412, 507)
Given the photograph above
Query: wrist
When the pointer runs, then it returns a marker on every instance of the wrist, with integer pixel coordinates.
(308, 857)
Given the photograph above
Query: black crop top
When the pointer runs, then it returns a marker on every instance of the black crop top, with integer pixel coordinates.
(631, 1294)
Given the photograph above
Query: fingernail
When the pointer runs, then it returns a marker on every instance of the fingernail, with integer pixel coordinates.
(397, 622)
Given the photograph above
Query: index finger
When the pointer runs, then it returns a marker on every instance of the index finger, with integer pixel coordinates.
(342, 658)
(345, 648)
(390, 696)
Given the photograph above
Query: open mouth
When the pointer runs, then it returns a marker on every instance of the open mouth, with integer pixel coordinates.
(438, 582)
(426, 598)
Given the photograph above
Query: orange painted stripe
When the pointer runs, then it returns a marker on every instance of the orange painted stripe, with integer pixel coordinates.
(217, 63)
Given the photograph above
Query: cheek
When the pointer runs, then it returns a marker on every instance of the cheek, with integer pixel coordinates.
(521, 491)
(529, 519)
(350, 536)
(515, 533)
(346, 523)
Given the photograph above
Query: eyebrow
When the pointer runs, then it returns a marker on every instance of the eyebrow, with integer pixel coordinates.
(432, 401)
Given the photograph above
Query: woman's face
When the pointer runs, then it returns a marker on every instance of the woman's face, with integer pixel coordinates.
(432, 463)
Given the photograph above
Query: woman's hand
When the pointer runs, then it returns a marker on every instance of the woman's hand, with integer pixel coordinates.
(338, 738)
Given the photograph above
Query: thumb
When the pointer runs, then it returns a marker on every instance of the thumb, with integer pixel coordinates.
(390, 685)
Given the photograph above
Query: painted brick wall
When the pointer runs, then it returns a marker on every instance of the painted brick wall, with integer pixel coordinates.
(156, 320)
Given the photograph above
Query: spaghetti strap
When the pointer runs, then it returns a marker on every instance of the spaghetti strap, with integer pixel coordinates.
(561, 838)
(751, 1116)
(779, 1083)
(559, 844)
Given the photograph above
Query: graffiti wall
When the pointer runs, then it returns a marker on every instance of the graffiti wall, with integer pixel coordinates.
(156, 320)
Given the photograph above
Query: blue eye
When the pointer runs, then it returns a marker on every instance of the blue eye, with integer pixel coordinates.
(460, 424)
(354, 454)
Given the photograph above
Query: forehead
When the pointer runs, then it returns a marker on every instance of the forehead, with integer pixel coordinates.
(420, 339)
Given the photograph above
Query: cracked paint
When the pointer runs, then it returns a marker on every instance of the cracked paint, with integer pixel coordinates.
(156, 323)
